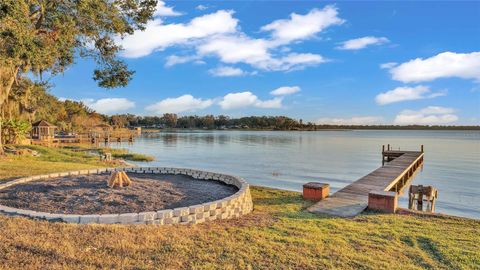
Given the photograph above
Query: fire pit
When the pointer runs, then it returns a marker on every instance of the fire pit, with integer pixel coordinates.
(145, 196)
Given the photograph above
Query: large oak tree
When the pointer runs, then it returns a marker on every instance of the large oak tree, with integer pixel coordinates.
(38, 36)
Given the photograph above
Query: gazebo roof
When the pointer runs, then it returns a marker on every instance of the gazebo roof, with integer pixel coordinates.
(43, 123)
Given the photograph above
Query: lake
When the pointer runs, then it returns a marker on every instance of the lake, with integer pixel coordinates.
(287, 160)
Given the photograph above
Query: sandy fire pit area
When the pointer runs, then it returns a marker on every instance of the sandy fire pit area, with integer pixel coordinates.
(89, 194)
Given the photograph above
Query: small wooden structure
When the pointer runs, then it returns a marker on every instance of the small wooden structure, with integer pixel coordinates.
(43, 130)
(119, 179)
(107, 157)
(419, 194)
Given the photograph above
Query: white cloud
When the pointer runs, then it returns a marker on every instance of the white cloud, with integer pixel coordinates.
(356, 120)
(163, 10)
(227, 72)
(285, 90)
(274, 103)
(218, 35)
(185, 103)
(299, 27)
(109, 105)
(388, 65)
(175, 60)
(432, 115)
(201, 7)
(248, 99)
(300, 60)
(407, 93)
(443, 65)
(236, 48)
(363, 42)
(240, 48)
(158, 36)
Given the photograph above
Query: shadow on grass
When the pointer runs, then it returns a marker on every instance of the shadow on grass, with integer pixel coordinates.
(430, 247)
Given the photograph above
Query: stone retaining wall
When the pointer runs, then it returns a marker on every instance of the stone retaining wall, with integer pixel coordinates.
(233, 206)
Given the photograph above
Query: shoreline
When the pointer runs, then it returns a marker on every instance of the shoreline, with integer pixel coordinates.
(155, 130)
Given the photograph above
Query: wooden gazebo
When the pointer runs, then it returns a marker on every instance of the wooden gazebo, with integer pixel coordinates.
(43, 130)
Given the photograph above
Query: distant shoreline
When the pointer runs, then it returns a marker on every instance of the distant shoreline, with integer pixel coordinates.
(472, 128)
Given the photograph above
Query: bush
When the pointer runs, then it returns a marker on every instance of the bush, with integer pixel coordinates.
(13, 130)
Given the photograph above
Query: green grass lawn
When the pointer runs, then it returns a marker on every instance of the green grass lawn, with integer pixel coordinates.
(278, 234)
(50, 160)
(124, 154)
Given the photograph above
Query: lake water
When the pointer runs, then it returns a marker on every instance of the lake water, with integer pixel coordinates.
(287, 160)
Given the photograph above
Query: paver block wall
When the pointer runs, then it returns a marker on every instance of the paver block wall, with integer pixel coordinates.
(233, 206)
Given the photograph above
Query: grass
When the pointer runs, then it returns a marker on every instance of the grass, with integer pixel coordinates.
(50, 160)
(277, 235)
(124, 154)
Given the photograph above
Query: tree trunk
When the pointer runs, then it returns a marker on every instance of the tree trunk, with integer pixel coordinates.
(7, 78)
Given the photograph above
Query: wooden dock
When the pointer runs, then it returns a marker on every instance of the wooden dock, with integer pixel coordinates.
(397, 169)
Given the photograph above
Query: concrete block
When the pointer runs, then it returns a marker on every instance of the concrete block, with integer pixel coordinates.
(128, 218)
(158, 222)
(52, 217)
(93, 171)
(146, 216)
(88, 219)
(209, 206)
(102, 170)
(38, 215)
(178, 212)
(109, 219)
(200, 215)
(25, 212)
(9, 210)
(71, 218)
(196, 209)
(172, 220)
(161, 214)
(185, 218)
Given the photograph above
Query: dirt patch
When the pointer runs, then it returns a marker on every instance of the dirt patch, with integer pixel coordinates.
(89, 194)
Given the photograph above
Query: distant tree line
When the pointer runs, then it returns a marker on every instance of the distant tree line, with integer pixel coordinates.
(170, 120)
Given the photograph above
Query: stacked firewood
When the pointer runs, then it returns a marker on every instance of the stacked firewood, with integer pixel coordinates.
(119, 179)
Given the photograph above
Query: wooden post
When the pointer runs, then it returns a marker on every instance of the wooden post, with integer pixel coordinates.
(422, 148)
(388, 147)
(383, 155)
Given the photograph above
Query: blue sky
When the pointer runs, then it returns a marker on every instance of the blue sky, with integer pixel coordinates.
(325, 62)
